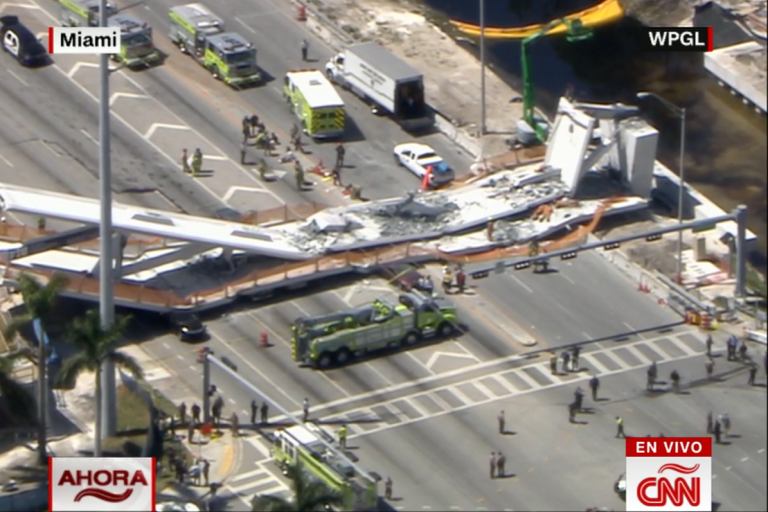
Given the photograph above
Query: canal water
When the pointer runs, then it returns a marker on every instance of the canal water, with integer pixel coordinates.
(725, 140)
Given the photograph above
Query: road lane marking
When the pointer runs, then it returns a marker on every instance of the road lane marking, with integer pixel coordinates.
(613, 357)
(639, 355)
(235, 189)
(89, 136)
(745, 459)
(17, 77)
(530, 380)
(193, 367)
(428, 366)
(520, 283)
(232, 401)
(260, 446)
(460, 395)
(79, 65)
(484, 389)
(128, 95)
(438, 354)
(592, 361)
(226, 460)
(244, 476)
(466, 351)
(246, 27)
(7, 162)
(219, 158)
(165, 126)
(761, 450)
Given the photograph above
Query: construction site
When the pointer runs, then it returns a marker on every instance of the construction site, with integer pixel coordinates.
(600, 162)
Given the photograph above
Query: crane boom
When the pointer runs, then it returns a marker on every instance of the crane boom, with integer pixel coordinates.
(576, 31)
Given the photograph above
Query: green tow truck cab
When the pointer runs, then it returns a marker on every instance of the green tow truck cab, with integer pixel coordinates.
(200, 33)
(82, 13)
(303, 444)
(323, 341)
(136, 46)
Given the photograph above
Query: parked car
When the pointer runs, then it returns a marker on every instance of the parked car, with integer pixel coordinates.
(406, 277)
(21, 43)
(188, 326)
(418, 157)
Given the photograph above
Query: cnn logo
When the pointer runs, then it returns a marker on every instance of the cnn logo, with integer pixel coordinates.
(669, 473)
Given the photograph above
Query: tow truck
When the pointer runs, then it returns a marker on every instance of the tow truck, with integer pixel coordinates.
(83, 13)
(227, 55)
(136, 46)
(323, 341)
(312, 447)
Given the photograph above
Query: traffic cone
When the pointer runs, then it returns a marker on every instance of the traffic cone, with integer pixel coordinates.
(301, 13)
(264, 339)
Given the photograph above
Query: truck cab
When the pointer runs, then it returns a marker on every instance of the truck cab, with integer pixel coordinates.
(83, 13)
(231, 58)
(191, 26)
(334, 70)
(136, 45)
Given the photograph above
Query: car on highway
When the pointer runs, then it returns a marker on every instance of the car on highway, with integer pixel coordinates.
(21, 43)
(417, 158)
(620, 486)
(406, 277)
(188, 326)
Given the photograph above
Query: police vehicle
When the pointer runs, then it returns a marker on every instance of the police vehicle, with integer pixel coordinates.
(82, 13)
(227, 55)
(21, 43)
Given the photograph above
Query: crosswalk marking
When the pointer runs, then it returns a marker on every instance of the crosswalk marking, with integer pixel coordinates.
(416, 406)
(261, 473)
(260, 446)
(483, 389)
(505, 384)
(259, 480)
(530, 380)
(461, 396)
(615, 358)
(639, 355)
(597, 365)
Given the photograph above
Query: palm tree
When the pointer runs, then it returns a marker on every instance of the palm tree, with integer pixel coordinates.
(19, 401)
(40, 302)
(96, 345)
(309, 495)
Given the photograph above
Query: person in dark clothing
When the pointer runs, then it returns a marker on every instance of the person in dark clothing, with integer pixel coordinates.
(594, 385)
(182, 413)
(264, 413)
(553, 363)
(195, 414)
(578, 398)
(502, 423)
(336, 175)
(304, 49)
(388, 489)
(572, 410)
(718, 431)
(675, 378)
(576, 352)
(566, 357)
(501, 461)
(461, 280)
(254, 411)
(743, 351)
(493, 463)
(710, 342)
(752, 375)
(340, 152)
(710, 423)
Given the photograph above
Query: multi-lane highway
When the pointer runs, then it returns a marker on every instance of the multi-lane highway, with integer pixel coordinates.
(51, 142)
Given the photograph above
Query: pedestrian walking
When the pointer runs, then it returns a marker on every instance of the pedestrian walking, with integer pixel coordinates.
(254, 122)
(566, 357)
(752, 375)
(197, 162)
(710, 423)
(502, 423)
(710, 367)
(732, 342)
(493, 465)
(343, 437)
(295, 133)
(305, 410)
(461, 279)
(299, 171)
(304, 49)
(254, 410)
(578, 398)
(620, 427)
(234, 423)
(206, 471)
(191, 432)
(264, 413)
(195, 414)
(718, 431)
(553, 363)
(501, 460)
(182, 413)
(388, 489)
(675, 378)
(743, 351)
(340, 152)
(572, 410)
(710, 342)
(185, 161)
(594, 385)
(246, 129)
(336, 176)
(725, 421)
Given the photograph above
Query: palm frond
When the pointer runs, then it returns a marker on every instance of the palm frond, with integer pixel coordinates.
(22, 353)
(18, 399)
(16, 325)
(73, 367)
(127, 362)
(53, 288)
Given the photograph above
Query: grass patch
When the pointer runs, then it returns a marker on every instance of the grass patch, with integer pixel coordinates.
(132, 423)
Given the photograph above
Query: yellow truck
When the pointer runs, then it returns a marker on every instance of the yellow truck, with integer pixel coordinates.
(314, 100)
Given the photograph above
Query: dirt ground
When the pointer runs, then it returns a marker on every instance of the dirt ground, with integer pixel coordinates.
(452, 73)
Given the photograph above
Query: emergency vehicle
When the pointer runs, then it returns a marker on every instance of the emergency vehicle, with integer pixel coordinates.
(314, 100)
(83, 13)
(337, 338)
(311, 446)
(227, 55)
(136, 46)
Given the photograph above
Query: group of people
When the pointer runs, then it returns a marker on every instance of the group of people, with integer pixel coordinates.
(719, 427)
(570, 358)
(454, 278)
(193, 165)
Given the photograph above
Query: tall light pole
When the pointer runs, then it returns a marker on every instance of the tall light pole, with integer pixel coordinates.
(680, 113)
(106, 421)
(482, 69)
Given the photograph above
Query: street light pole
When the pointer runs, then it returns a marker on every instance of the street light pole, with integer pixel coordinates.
(107, 410)
(482, 68)
(680, 113)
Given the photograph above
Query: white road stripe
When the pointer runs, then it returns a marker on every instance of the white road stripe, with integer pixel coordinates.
(166, 126)
(504, 383)
(529, 380)
(17, 77)
(7, 162)
(89, 137)
(639, 355)
(589, 358)
(461, 396)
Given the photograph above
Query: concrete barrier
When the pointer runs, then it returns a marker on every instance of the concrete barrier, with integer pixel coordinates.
(757, 336)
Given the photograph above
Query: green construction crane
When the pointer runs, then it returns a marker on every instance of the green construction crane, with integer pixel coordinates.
(576, 31)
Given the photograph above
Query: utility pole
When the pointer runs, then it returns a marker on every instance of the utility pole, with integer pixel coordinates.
(741, 252)
(482, 69)
(106, 417)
